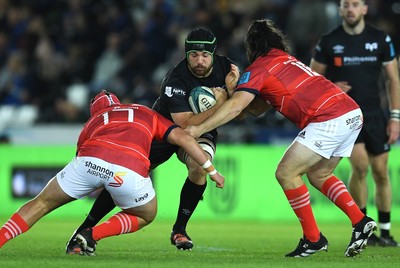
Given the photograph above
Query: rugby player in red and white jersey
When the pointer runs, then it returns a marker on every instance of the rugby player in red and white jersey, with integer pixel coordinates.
(112, 153)
(330, 121)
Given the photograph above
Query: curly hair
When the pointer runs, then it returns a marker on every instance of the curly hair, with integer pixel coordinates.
(261, 37)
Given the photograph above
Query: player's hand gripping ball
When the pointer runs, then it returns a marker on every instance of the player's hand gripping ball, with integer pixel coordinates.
(201, 99)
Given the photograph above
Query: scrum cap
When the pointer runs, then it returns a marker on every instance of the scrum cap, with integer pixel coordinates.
(103, 100)
(200, 40)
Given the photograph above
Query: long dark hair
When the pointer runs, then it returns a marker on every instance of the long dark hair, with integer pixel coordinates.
(261, 37)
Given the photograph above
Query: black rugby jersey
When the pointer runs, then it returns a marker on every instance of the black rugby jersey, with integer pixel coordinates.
(179, 81)
(358, 60)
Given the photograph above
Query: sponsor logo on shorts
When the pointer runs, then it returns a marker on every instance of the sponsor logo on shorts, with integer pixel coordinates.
(99, 171)
(302, 134)
(118, 181)
(142, 198)
(318, 144)
(353, 119)
(354, 122)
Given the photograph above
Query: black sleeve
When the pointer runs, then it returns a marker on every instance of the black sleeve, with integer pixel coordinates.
(320, 51)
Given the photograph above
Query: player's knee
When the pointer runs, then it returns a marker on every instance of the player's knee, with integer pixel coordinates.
(381, 177)
(198, 178)
(197, 175)
(149, 218)
(280, 175)
(360, 171)
(315, 175)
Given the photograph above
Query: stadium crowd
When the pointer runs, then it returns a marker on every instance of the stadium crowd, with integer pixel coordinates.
(56, 55)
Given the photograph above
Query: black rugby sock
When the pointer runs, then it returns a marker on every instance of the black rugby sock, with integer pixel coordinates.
(191, 194)
(364, 210)
(101, 207)
(384, 218)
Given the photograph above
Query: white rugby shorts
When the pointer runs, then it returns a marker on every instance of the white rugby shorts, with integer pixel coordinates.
(334, 137)
(84, 175)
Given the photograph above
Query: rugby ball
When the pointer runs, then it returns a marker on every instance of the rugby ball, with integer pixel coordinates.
(201, 99)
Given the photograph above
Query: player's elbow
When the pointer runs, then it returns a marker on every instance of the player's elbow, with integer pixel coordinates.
(236, 107)
(179, 137)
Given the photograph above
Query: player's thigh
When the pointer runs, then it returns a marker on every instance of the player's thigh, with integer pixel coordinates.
(50, 198)
(148, 211)
(322, 170)
(129, 189)
(53, 195)
(83, 175)
(359, 159)
(296, 161)
(328, 140)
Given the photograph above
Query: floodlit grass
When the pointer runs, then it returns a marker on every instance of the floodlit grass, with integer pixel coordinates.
(217, 244)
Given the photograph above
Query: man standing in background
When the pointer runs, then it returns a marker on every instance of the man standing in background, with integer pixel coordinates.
(352, 56)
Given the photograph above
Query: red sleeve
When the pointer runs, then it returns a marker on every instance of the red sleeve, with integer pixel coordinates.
(163, 127)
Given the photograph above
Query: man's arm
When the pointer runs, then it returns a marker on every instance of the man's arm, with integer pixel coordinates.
(229, 110)
(189, 144)
(318, 67)
(393, 91)
(321, 69)
(185, 119)
(256, 107)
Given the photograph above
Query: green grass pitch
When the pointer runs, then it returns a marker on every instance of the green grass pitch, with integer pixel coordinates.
(217, 244)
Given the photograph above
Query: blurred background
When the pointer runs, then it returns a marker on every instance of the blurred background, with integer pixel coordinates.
(55, 55)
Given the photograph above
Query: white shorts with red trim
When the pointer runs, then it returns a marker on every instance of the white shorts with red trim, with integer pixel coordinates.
(334, 137)
(84, 175)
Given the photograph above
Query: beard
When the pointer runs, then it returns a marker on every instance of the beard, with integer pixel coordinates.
(352, 22)
(200, 70)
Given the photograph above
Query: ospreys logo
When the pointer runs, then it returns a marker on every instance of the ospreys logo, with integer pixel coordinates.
(371, 46)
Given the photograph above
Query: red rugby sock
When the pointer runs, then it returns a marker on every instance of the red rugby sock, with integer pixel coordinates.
(15, 226)
(299, 200)
(120, 223)
(336, 191)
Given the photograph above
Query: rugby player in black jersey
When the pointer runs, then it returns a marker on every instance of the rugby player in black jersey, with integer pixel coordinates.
(353, 56)
(200, 67)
